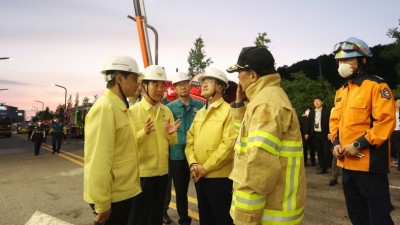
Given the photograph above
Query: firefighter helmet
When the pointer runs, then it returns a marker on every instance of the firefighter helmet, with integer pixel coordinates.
(352, 47)
(154, 72)
(214, 73)
(179, 76)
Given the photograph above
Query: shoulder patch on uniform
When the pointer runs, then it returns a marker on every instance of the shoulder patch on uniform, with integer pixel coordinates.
(385, 93)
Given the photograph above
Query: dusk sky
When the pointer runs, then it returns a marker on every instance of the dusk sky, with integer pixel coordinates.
(66, 42)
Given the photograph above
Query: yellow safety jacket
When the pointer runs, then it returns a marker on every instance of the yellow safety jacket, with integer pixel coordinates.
(111, 172)
(211, 138)
(268, 172)
(153, 149)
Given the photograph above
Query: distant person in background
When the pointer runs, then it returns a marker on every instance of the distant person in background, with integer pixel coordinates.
(111, 173)
(56, 130)
(304, 127)
(138, 95)
(37, 136)
(395, 137)
(318, 134)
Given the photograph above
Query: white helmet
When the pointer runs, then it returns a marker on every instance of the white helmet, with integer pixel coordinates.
(120, 63)
(154, 72)
(179, 76)
(214, 73)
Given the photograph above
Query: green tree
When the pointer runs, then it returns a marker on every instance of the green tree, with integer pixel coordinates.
(392, 54)
(301, 90)
(95, 98)
(262, 40)
(85, 100)
(69, 102)
(76, 100)
(394, 33)
(197, 58)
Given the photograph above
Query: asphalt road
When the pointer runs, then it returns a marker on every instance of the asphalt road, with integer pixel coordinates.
(53, 185)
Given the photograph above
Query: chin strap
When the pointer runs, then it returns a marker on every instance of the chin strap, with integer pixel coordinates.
(123, 96)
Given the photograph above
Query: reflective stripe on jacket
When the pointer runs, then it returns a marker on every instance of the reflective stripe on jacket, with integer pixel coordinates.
(365, 112)
(268, 173)
(111, 172)
(186, 114)
(153, 149)
(211, 138)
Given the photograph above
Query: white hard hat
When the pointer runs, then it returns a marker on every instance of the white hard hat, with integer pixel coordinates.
(214, 73)
(179, 76)
(120, 63)
(154, 72)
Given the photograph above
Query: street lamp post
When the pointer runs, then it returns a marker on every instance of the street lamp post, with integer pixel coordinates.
(40, 102)
(65, 99)
(155, 38)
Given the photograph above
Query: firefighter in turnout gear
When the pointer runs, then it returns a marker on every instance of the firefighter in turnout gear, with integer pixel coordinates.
(268, 172)
(364, 118)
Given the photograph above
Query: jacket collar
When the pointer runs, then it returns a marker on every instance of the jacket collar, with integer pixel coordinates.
(147, 106)
(115, 99)
(357, 80)
(217, 103)
(262, 82)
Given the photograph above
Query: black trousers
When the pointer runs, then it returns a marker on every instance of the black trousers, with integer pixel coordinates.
(367, 197)
(56, 141)
(306, 147)
(180, 173)
(119, 212)
(147, 207)
(37, 142)
(321, 144)
(214, 197)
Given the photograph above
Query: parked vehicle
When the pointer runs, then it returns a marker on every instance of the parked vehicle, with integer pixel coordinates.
(6, 126)
(22, 128)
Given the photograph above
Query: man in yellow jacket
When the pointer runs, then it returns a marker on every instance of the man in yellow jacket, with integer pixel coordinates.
(268, 172)
(111, 172)
(209, 151)
(156, 131)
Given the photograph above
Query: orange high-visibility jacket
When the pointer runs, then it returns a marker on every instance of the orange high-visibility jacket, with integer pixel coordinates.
(364, 112)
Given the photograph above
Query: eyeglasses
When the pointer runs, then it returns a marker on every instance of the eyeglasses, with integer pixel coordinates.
(207, 81)
(347, 47)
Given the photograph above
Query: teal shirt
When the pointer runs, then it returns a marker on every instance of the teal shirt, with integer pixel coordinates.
(186, 115)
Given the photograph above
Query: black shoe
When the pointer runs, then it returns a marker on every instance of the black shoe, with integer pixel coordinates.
(166, 219)
(58, 152)
(53, 152)
(322, 171)
(333, 182)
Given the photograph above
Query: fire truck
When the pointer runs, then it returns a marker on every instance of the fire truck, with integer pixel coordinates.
(76, 120)
(6, 125)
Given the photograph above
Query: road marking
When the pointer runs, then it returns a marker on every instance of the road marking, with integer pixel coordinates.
(76, 159)
(44, 219)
